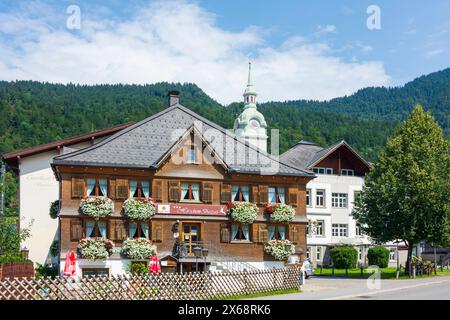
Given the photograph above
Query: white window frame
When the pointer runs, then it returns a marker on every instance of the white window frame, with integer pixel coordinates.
(308, 252)
(318, 253)
(323, 198)
(347, 172)
(358, 230)
(308, 197)
(322, 170)
(339, 230)
(321, 223)
(339, 200)
(394, 250)
(192, 151)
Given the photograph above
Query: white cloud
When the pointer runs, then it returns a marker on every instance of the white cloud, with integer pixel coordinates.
(177, 42)
(329, 28)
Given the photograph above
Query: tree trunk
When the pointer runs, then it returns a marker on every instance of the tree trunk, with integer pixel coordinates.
(408, 267)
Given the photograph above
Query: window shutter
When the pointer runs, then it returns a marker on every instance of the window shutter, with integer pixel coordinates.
(259, 233)
(207, 190)
(294, 234)
(174, 191)
(255, 194)
(112, 188)
(78, 188)
(255, 232)
(157, 231)
(224, 233)
(225, 193)
(263, 194)
(157, 190)
(117, 230)
(76, 230)
(293, 199)
(122, 189)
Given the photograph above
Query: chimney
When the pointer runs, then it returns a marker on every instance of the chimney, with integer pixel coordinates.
(174, 97)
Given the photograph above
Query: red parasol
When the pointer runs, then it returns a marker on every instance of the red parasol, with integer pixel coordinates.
(153, 266)
(70, 268)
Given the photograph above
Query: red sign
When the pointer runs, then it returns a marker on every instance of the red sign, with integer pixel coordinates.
(193, 209)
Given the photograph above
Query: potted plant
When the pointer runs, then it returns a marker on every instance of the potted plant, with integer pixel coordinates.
(138, 249)
(139, 209)
(243, 212)
(97, 207)
(54, 209)
(280, 212)
(279, 249)
(95, 248)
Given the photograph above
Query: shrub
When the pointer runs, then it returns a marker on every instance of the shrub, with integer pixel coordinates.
(54, 209)
(97, 207)
(378, 256)
(279, 249)
(138, 268)
(11, 259)
(138, 249)
(54, 248)
(280, 212)
(45, 271)
(344, 257)
(139, 209)
(95, 248)
(243, 212)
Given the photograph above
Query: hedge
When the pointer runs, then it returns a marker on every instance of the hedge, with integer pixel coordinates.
(378, 256)
(344, 257)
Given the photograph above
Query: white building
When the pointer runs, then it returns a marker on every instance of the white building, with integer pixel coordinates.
(38, 188)
(330, 199)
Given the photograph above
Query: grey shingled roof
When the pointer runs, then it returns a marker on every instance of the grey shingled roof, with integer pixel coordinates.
(304, 155)
(145, 143)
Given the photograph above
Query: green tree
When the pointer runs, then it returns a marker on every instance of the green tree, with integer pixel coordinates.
(407, 192)
(11, 237)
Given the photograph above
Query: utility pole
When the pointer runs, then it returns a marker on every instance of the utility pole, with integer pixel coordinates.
(2, 187)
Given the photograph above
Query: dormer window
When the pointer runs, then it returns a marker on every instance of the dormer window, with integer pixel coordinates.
(96, 187)
(192, 155)
(320, 170)
(347, 172)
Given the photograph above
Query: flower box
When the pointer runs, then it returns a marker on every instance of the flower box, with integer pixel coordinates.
(96, 248)
(243, 212)
(280, 212)
(138, 249)
(139, 209)
(97, 207)
(279, 249)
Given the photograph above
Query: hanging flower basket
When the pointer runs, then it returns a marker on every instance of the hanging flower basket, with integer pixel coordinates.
(279, 249)
(95, 248)
(97, 207)
(243, 212)
(280, 212)
(138, 249)
(54, 209)
(139, 209)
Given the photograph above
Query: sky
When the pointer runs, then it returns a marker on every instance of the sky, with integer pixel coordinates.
(299, 49)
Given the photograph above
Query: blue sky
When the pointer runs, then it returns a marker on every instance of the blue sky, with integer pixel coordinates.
(300, 49)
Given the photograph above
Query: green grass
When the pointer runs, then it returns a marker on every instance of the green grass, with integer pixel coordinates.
(386, 273)
(262, 294)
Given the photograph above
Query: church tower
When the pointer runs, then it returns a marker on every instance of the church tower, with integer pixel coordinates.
(251, 125)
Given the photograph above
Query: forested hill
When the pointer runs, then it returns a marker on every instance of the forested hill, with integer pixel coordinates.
(33, 113)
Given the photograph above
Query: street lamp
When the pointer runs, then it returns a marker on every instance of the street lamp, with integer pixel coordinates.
(24, 252)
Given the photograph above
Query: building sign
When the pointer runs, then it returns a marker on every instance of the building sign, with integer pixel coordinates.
(192, 209)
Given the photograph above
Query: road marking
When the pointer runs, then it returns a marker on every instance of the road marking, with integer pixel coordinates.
(384, 291)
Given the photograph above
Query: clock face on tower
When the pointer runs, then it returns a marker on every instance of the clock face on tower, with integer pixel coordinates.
(254, 123)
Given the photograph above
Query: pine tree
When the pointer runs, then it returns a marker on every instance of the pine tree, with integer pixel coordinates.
(407, 192)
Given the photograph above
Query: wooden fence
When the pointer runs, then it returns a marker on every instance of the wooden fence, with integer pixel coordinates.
(163, 286)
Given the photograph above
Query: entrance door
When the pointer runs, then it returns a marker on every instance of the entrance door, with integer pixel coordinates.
(191, 235)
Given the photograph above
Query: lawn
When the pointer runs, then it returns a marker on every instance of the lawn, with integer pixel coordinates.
(262, 294)
(386, 273)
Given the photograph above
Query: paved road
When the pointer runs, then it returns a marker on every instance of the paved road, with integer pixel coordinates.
(322, 288)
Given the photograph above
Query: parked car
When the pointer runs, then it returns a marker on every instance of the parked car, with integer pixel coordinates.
(307, 268)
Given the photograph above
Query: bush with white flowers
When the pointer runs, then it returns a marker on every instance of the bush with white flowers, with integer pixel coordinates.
(96, 248)
(243, 212)
(139, 209)
(138, 249)
(97, 207)
(279, 249)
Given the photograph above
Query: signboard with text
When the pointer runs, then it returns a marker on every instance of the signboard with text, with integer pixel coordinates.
(192, 209)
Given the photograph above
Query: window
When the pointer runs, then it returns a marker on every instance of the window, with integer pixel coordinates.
(347, 172)
(308, 228)
(317, 229)
(320, 228)
(138, 230)
(277, 232)
(360, 253)
(94, 229)
(392, 254)
(96, 187)
(308, 197)
(190, 192)
(104, 272)
(240, 193)
(139, 189)
(192, 155)
(320, 198)
(339, 230)
(339, 200)
(320, 170)
(358, 230)
(318, 253)
(308, 253)
(276, 195)
(240, 232)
